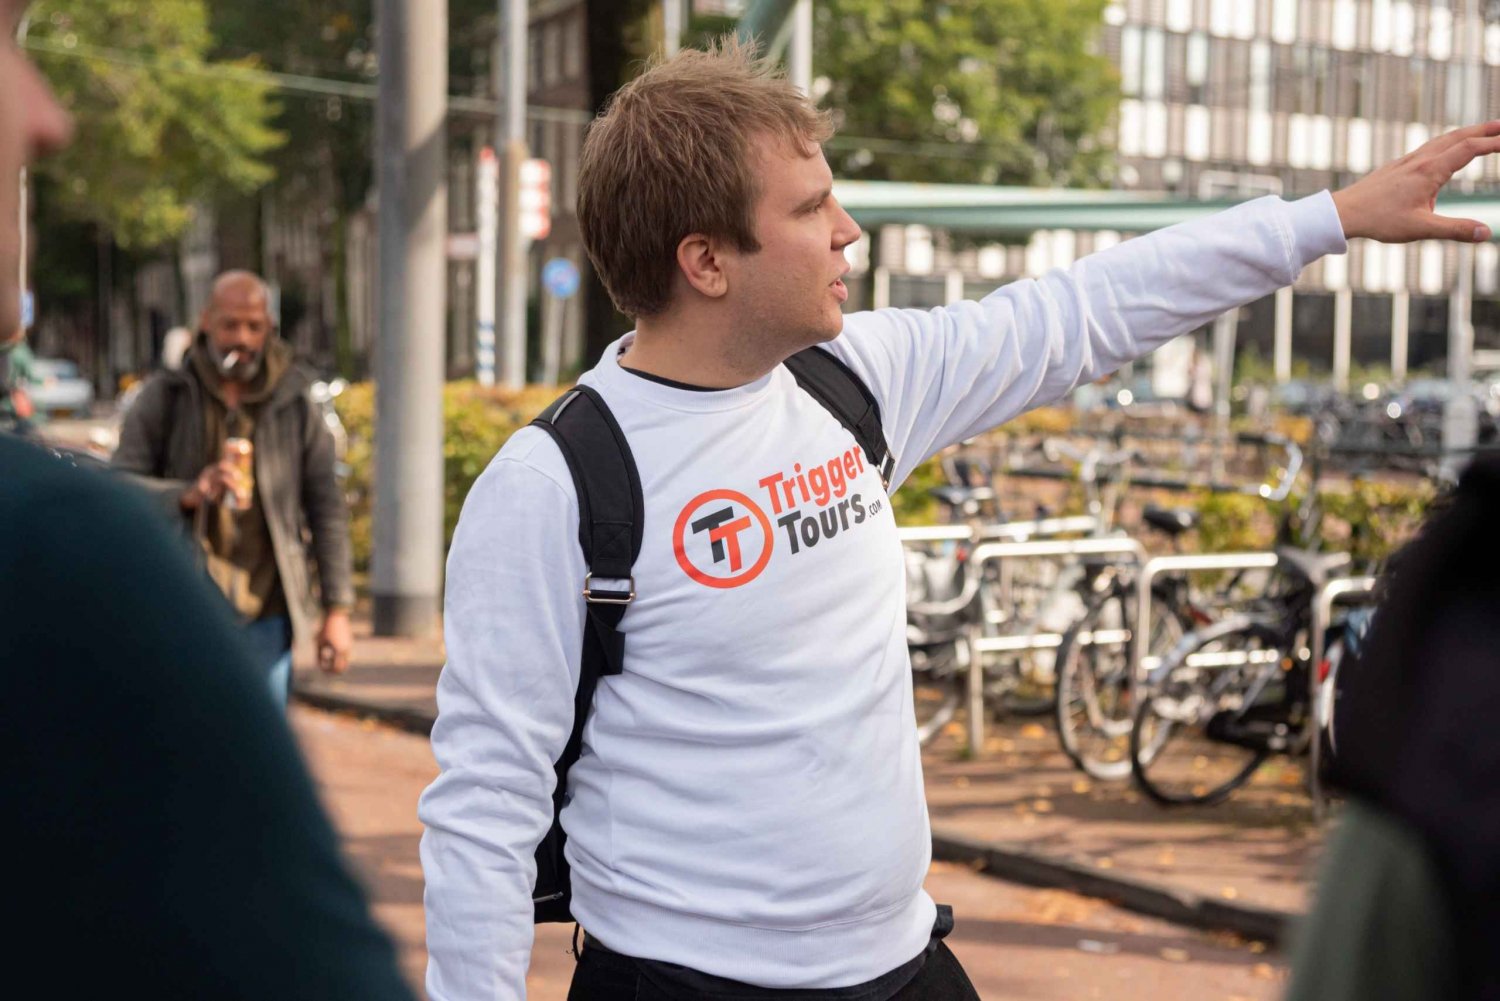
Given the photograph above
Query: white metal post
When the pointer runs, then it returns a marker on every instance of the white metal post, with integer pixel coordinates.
(1400, 332)
(800, 52)
(1343, 319)
(1282, 350)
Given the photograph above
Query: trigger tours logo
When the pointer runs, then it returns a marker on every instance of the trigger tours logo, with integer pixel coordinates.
(724, 539)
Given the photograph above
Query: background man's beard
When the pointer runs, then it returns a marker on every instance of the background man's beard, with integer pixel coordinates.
(240, 364)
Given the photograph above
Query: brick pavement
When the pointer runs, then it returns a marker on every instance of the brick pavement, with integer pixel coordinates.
(1019, 809)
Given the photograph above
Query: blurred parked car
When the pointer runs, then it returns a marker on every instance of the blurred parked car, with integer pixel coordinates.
(56, 388)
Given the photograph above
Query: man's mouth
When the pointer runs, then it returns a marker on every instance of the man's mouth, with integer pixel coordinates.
(840, 289)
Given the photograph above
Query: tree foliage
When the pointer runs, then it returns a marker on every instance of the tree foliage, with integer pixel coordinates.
(976, 91)
(160, 124)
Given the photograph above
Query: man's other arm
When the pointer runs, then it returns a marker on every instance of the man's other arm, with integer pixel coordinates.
(513, 626)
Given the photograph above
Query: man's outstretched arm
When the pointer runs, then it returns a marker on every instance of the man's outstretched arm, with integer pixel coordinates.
(943, 375)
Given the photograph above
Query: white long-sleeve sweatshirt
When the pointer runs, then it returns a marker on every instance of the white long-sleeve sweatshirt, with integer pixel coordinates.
(749, 801)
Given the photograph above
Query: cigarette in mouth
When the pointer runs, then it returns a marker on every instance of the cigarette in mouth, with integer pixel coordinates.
(230, 361)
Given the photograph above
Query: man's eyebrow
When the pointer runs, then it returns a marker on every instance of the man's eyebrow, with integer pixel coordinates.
(815, 200)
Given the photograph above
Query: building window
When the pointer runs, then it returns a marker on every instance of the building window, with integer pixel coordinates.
(1454, 104)
(1130, 59)
(1359, 155)
(1260, 76)
(1244, 19)
(1130, 128)
(1403, 27)
(551, 53)
(1221, 17)
(1180, 15)
(1197, 128)
(573, 49)
(1380, 25)
(1197, 68)
(1155, 126)
(1439, 32)
(1153, 63)
(1284, 21)
(1260, 139)
(1345, 24)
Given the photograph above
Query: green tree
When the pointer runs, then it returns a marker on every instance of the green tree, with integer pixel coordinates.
(966, 91)
(159, 123)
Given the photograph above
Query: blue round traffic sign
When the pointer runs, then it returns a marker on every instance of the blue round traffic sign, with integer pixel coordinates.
(560, 277)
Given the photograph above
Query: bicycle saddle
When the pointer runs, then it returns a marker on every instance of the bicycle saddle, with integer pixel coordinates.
(1312, 566)
(960, 496)
(1173, 521)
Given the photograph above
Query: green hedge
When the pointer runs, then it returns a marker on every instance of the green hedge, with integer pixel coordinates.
(1370, 519)
(476, 422)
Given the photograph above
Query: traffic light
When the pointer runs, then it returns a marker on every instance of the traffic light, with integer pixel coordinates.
(536, 199)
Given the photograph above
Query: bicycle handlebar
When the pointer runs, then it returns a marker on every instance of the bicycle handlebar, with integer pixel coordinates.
(1288, 473)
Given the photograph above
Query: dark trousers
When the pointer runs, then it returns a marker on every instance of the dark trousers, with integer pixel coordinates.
(608, 976)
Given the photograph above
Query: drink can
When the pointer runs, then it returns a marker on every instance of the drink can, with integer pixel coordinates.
(240, 453)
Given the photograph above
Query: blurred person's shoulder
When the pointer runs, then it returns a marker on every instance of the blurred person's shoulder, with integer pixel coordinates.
(57, 505)
(34, 476)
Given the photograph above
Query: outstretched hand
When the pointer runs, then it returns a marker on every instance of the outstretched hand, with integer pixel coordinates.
(1395, 203)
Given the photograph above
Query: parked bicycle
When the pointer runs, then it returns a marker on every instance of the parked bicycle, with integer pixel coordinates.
(1097, 673)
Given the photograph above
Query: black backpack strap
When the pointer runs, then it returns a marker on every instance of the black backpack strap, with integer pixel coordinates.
(610, 526)
(843, 394)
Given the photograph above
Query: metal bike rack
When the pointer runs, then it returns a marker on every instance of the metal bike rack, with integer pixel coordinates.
(1143, 663)
(1019, 531)
(1120, 546)
(1334, 591)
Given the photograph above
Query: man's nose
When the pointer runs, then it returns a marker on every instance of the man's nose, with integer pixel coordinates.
(848, 231)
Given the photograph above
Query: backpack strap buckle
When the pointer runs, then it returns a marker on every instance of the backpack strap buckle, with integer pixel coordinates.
(607, 597)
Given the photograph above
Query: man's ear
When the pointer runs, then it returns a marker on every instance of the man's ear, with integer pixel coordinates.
(699, 258)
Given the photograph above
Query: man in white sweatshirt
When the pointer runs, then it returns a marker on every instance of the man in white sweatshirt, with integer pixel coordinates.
(747, 818)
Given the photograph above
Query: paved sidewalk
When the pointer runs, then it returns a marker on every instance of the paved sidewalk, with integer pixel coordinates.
(1019, 811)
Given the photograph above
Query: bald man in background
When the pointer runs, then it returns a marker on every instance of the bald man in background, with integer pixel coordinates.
(239, 380)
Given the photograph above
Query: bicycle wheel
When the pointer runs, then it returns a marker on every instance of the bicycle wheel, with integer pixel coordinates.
(1177, 754)
(1094, 706)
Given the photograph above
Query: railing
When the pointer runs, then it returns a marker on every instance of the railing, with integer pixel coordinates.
(1141, 656)
(1119, 546)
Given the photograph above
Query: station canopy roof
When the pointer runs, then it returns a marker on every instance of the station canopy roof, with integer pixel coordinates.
(1011, 212)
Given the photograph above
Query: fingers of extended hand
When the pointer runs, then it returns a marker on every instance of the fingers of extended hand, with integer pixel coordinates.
(1449, 139)
(1458, 155)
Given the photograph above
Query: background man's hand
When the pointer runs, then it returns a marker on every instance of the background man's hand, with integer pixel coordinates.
(1395, 203)
(210, 486)
(335, 642)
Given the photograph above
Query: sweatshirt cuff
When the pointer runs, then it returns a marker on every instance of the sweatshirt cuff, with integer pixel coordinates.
(1316, 229)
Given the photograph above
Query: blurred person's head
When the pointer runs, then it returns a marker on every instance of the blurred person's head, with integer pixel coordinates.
(237, 323)
(703, 184)
(31, 123)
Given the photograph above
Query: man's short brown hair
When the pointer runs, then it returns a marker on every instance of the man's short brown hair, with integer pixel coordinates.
(672, 154)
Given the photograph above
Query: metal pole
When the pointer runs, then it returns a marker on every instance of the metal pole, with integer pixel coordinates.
(489, 223)
(800, 54)
(552, 332)
(1460, 412)
(412, 164)
(1226, 327)
(671, 20)
(510, 293)
(1400, 333)
(1282, 349)
(1343, 320)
